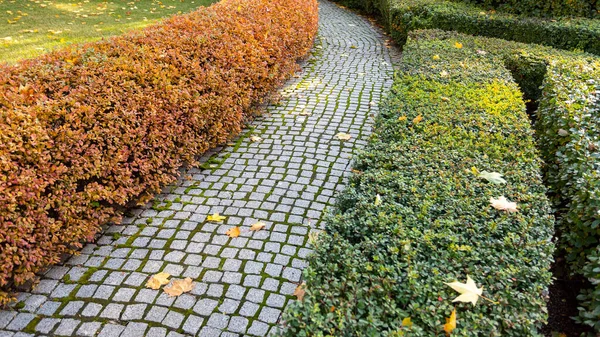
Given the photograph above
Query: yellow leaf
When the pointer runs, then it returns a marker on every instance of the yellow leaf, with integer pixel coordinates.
(407, 322)
(377, 200)
(458, 45)
(450, 323)
(502, 204)
(474, 170)
(233, 232)
(300, 291)
(216, 217)
(402, 118)
(257, 226)
(436, 57)
(469, 291)
(417, 119)
(179, 287)
(343, 136)
(158, 280)
(255, 139)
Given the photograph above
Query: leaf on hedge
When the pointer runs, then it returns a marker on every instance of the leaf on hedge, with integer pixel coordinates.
(417, 119)
(474, 170)
(257, 226)
(343, 136)
(402, 118)
(443, 73)
(216, 217)
(158, 280)
(233, 232)
(436, 57)
(458, 45)
(445, 99)
(300, 291)
(255, 139)
(450, 323)
(332, 309)
(377, 200)
(502, 204)
(562, 132)
(407, 322)
(492, 177)
(468, 291)
(179, 287)
(481, 52)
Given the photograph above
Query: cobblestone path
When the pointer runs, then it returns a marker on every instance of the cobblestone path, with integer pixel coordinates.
(286, 180)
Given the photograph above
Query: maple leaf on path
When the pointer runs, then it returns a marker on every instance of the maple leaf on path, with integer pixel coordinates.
(450, 323)
(468, 291)
(233, 232)
(179, 287)
(257, 226)
(158, 280)
(216, 217)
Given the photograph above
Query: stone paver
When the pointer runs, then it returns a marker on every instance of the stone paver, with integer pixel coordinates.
(287, 181)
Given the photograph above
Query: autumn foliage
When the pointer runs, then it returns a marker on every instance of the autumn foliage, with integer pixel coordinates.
(87, 130)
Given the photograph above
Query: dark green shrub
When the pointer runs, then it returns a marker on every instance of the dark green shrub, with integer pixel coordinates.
(551, 8)
(377, 265)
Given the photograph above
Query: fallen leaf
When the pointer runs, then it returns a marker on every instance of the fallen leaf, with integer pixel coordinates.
(233, 232)
(377, 200)
(300, 291)
(417, 119)
(343, 136)
(216, 217)
(179, 287)
(458, 45)
(492, 177)
(407, 322)
(469, 291)
(504, 205)
(158, 280)
(257, 226)
(255, 139)
(450, 323)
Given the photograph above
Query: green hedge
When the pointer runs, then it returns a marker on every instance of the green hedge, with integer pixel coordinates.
(378, 264)
(403, 16)
(582, 8)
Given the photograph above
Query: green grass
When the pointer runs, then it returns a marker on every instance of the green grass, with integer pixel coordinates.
(29, 28)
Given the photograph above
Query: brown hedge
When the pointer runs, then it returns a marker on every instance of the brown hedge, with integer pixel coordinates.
(87, 130)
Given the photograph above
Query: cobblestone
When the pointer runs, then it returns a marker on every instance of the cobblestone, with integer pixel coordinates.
(287, 180)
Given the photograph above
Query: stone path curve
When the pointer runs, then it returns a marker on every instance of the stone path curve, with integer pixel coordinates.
(287, 180)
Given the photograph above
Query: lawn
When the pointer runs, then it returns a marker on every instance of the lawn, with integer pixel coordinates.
(32, 27)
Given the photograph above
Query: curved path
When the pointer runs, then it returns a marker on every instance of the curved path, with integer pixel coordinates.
(286, 180)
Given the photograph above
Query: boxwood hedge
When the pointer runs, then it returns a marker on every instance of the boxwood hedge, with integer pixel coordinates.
(403, 16)
(87, 130)
(548, 8)
(453, 112)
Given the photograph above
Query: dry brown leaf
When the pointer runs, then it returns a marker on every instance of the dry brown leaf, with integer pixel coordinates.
(233, 232)
(300, 291)
(255, 139)
(158, 280)
(343, 136)
(179, 287)
(257, 226)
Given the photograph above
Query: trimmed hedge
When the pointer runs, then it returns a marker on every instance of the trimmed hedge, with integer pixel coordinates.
(552, 8)
(378, 264)
(87, 130)
(403, 16)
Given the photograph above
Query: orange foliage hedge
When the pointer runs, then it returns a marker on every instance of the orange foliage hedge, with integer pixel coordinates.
(86, 130)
